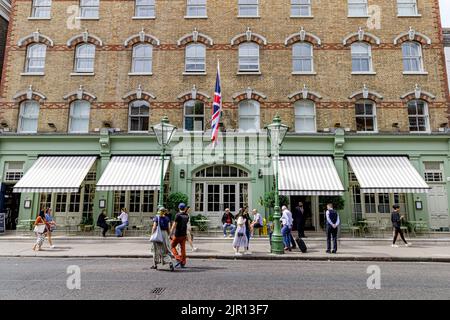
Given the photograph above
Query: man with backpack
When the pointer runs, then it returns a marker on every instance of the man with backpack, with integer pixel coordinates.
(332, 222)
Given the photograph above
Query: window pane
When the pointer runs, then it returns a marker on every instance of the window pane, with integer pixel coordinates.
(145, 8)
(79, 118)
(139, 115)
(249, 57)
(36, 58)
(29, 114)
(195, 58)
(357, 8)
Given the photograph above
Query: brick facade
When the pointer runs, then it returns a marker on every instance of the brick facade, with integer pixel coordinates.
(276, 88)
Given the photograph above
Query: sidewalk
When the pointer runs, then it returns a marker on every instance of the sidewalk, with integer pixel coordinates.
(349, 249)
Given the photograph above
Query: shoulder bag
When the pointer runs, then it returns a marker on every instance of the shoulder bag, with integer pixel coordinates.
(157, 236)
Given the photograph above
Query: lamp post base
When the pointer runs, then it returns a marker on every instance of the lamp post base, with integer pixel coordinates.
(277, 244)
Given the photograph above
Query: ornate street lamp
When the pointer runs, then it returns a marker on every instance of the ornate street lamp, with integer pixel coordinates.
(164, 132)
(276, 131)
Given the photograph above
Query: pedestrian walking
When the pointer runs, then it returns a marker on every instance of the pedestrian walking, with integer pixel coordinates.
(396, 224)
(51, 226)
(124, 218)
(160, 242)
(300, 219)
(248, 222)
(333, 223)
(286, 223)
(40, 228)
(228, 223)
(240, 237)
(190, 237)
(101, 222)
(257, 223)
(179, 229)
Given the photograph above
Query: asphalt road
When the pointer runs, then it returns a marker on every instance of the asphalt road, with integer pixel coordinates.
(40, 278)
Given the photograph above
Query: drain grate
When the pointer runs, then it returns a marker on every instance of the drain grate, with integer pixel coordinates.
(158, 291)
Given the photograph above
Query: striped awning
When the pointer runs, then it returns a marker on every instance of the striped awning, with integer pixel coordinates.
(132, 173)
(311, 176)
(387, 175)
(56, 174)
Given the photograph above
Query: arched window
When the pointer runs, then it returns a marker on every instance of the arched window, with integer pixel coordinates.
(302, 58)
(41, 8)
(249, 57)
(139, 113)
(28, 117)
(142, 58)
(412, 57)
(79, 116)
(195, 58)
(249, 116)
(145, 9)
(361, 57)
(194, 115)
(85, 58)
(305, 116)
(418, 116)
(365, 115)
(36, 54)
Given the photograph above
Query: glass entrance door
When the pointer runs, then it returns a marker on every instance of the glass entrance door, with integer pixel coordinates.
(222, 196)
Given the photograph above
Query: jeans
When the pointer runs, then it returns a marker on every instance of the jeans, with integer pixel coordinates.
(331, 233)
(182, 242)
(286, 233)
(229, 225)
(247, 234)
(120, 228)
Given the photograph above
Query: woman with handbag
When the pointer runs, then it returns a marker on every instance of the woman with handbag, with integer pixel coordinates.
(240, 237)
(40, 228)
(160, 240)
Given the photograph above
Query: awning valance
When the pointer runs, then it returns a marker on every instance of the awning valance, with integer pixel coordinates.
(304, 175)
(132, 173)
(56, 174)
(387, 175)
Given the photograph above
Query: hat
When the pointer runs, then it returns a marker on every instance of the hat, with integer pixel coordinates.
(162, 209)
(182, 206)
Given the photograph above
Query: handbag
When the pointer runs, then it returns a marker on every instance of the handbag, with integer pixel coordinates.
(157, 236)
(40, 228)
(240, 234)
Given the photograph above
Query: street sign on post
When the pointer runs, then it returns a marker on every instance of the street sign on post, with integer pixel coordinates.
(2, 223)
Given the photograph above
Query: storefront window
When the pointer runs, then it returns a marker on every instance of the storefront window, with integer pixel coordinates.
(383, 203)
(148, 201)
(199, 196)
(135, 201)
(74, 205)
(61, 202)
(119, 200)
(45, 201)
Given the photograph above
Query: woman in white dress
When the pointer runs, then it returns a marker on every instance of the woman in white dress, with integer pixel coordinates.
(240, 238)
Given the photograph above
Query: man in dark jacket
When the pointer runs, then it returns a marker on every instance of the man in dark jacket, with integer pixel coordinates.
(299, 214)
(396, 220)
(227, 222)
(333, 221)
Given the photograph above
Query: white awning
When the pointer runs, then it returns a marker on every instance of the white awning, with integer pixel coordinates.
(56, 174)
(315, 176)
(387, 175)
(132, 173)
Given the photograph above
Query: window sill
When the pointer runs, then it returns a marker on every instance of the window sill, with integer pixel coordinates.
(139, 132)
(143, 18)
(364, 17)
(196, 17)
(140, 73)
(415, 73)
(369, 73)
(248, 17)
(194, 73)
(88, 74)
(304, 73)
(39, 18)
(32, 74)
(302, 17)
(87, 18)
(409, 16)
(254, 73)
(367, 132)
(420, 132)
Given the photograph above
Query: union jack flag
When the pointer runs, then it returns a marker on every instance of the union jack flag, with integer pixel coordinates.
(216, 109)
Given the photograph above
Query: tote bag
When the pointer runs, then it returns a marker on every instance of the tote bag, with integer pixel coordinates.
(40, 228)
(157, 236)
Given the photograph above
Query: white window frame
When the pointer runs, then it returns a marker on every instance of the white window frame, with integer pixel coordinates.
(298, 106)
(85, 117)
(256, 116)
(23, 116)
(13, 174)
(136, 58)
(360, 56)
(245, 4)
(196, 60)
(85, 6)
(194, 116)
(372, 116)
(88, 57)
(418, 58)
(407, 5)
(298, 5)
(196, 5)
(357, 4)
(243, 47)
(138, 116)
(149, 5)
(434, 175)
(310, 58)
(41, 6)
(425, 116)
(41, 58)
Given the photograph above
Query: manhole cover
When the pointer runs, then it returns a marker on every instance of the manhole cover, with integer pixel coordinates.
(158, 291)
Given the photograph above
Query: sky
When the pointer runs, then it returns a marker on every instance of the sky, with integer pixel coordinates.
(445, 13)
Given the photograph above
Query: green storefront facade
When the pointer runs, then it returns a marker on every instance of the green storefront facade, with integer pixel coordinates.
(215, 179)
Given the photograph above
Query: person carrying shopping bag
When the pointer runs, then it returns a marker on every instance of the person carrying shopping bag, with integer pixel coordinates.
(240, 237)
(40, 228)
(160, 241)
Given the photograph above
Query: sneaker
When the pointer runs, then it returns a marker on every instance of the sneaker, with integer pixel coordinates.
(52, 247)
(224, 235)
(408, 245)
(247, 252)
(230, 236)
(328, 251)
(238, 254)
(171, 266)
(334, 251)
(394, 246)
